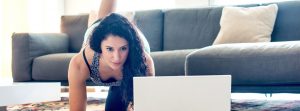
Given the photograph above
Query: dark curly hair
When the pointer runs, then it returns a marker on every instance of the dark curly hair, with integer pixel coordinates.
(135, 64)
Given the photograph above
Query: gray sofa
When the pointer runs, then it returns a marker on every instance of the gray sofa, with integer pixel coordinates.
(180, 41)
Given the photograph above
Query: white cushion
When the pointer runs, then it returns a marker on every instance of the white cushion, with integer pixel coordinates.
(244, 25)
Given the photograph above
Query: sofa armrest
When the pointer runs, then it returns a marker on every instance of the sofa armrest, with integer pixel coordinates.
(274, 63)
(27, 46)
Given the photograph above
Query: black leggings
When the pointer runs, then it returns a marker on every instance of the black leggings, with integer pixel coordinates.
(114, 100)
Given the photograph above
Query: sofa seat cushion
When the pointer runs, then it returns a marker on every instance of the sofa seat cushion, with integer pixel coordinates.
(51, 67)
(170, 63)
(275, 63)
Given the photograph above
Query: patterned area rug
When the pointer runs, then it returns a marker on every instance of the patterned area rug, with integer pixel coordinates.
(265, 105)
(95, 104)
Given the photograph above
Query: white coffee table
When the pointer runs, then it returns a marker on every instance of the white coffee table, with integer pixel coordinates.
(28, 92)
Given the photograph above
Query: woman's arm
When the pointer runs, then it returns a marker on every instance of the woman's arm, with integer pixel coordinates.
(77, 85)
(106, 7)
(150, 64)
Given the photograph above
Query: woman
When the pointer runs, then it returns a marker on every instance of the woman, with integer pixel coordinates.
(113, 54)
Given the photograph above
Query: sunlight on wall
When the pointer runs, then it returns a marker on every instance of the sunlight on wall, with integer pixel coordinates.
(1, 38)
(74, 7)
(238, 2)
(85, 6)
(132, 5)
(44, 15)
(11, 22)
(19, 16)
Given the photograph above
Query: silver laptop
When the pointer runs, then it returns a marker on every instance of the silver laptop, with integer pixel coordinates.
(182, 93)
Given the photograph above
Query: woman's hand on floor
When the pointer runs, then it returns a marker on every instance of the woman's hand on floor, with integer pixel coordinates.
(130, 107)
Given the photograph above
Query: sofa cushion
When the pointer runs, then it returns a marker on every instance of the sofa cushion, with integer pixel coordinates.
(287, 23)
(26, 46)
(191, 28)
(151, 24)
(75, 26)
(273, 63)
(170, 63)
(51, 66)
(251, 24)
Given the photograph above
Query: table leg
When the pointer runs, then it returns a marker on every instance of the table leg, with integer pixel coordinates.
(3, 108)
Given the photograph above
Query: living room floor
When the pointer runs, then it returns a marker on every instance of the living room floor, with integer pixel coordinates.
(101, 92)
(260, 96)
(96, 91)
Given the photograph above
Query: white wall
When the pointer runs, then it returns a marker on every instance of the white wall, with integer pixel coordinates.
(44, 15)
(73, 7)
(85, 6)
(237, 2)
(191, 3)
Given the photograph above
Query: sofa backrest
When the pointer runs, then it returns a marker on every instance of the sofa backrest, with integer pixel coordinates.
(74, 26)
(191, 28)
(176, 29)
(287, 24)
(197, 28)
(151, 24)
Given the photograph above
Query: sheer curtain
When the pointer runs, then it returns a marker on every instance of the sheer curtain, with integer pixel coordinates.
(34, 16)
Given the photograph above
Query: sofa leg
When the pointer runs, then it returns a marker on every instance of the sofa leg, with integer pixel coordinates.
(270, 95)
(3, 108)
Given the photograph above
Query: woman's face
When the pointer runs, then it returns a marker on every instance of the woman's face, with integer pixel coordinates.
(114, 51)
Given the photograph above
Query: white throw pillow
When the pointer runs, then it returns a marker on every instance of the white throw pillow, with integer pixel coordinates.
(244, 25)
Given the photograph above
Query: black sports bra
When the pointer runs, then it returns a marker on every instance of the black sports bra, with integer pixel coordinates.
(94, 72)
